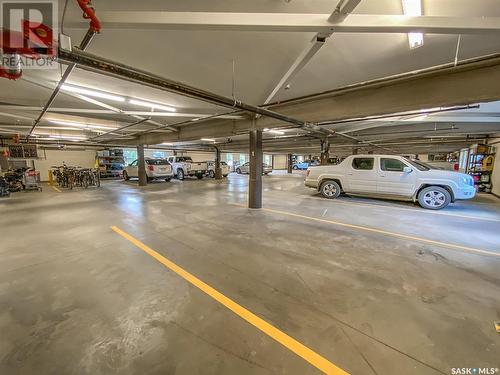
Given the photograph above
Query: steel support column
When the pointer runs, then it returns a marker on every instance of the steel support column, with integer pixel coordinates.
(255, 180)
(218, 170)
(289, 163)
(143, 178)
(325, 152)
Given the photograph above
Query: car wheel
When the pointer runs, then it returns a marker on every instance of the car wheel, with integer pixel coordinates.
(125, 176)
(224, 175)
(330, 189)
(211, 174)
(434, 198)
(199, 176)
(168, 179)
(180, 174)
(295, 167)
(238, 170)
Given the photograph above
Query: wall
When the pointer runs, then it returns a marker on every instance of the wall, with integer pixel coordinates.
(495, 176)
(49, 158)
(280, 162)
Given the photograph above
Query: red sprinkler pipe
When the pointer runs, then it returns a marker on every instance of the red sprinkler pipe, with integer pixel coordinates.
(89, 13)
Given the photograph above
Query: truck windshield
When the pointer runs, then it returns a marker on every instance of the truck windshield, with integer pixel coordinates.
(419, 165)
(184, 158)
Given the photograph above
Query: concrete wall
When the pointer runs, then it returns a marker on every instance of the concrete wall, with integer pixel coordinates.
(495, 177)
(49, 158)
(280, 162)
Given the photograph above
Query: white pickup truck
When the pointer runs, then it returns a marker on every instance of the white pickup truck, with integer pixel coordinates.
(183, 166)
(393, 177)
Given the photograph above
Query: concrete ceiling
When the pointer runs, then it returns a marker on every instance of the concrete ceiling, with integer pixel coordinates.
(205, 59)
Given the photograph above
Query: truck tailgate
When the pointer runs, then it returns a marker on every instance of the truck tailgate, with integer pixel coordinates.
(198, 166)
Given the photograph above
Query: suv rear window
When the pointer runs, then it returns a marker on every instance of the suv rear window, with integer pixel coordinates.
(362, 163)
(392, 165)
(157, 162)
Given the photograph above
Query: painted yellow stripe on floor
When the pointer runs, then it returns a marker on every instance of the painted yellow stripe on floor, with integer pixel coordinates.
(419, 211)
(56, 189)
(290, 343)
(393, 234)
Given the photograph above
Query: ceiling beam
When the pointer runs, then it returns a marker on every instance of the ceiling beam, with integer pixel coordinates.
(293, 22)
(305, 56)
(469, 82)
(343, 9)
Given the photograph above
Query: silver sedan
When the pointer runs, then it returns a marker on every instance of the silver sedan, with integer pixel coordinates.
(245, 168)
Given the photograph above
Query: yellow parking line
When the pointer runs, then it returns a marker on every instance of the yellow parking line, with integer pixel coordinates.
(290, 343)
(56, 189)
(393, 234)
(411, 209)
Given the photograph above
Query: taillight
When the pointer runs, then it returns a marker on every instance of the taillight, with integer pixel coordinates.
(151, 168)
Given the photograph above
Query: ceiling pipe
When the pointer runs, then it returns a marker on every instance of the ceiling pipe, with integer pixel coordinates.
(83, 45)
(114, 69)
(399, 114)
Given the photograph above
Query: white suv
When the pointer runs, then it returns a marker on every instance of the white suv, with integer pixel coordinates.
(393, 177)
(155, 169)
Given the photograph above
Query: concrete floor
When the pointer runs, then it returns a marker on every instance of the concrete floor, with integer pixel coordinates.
(76, 298)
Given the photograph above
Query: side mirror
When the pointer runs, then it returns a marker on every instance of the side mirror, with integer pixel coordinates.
(407, 170)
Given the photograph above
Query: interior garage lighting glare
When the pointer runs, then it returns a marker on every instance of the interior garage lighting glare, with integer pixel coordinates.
(91, 92)
(413, 8)
(64, 137)
(207, 140)
(81, 125)
(151, 105)
(277, 132)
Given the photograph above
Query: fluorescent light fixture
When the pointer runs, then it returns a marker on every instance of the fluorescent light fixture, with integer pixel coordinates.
(413, 8)
(81, 125)
(207, 140)
(92, 92)
(68, 137)
(278, 132)
(152, 105)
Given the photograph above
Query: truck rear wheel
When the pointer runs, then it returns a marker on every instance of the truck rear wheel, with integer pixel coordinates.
(199, 176)
(330, 189)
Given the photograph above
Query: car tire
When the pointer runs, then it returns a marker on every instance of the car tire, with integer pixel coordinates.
(330, 189)
(168, 179)
(295, 167)
(434, 198)
(125, 176)
(180, 174)
(238, 170)
(224, 175)
(211, 174)
(199, 176)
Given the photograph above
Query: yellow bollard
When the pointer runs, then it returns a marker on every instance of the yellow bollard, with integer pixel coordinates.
(51, 178)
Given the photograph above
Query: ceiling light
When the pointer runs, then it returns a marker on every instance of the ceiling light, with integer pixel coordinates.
(81, 125)
(278, 132)
(152, 105)
(92, 92)
(207, 140)
(414, 8)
